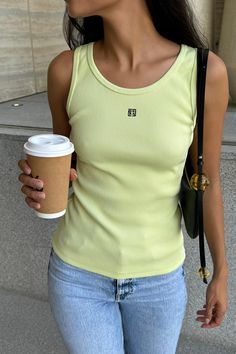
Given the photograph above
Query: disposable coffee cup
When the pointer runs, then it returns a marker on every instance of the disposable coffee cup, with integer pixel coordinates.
(49, 157)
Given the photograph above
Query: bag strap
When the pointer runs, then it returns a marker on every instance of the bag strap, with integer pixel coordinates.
(202, 59)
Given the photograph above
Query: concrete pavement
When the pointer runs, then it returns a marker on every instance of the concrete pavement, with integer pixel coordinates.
(26, 323)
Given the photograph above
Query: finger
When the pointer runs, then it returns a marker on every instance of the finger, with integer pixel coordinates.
(212, 324)
(218, 315)
(200, 319)
(73, 174)
(209, 325)
(201, 312)
(209, 310)
(32, 204)
(31, 182)
(24, 166)
(32, 194)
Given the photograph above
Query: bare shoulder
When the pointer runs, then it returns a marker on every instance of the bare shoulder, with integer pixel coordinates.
(216, 68)
(217, 85)
(65, 57)
(216, 102)
(60, 68)
(59, 78)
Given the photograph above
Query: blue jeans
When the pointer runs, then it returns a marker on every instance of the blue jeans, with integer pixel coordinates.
(96, 314)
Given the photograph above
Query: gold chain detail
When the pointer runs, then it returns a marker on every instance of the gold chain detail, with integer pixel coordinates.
(204, 271)
(204, 181)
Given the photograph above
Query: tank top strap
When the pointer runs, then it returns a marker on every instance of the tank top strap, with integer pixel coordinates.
(74, 75)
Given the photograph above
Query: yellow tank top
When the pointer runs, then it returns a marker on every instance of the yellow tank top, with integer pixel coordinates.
(123, 218)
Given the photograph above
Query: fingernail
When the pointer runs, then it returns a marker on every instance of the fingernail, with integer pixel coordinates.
(27, 171)
(207, 321)
(75, 175)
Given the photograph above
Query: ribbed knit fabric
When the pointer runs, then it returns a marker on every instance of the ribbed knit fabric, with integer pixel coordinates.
(123, 219)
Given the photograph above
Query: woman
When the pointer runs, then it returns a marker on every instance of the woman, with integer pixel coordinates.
(125, 94)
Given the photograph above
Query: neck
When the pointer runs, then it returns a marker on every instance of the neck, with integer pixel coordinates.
(130, 35)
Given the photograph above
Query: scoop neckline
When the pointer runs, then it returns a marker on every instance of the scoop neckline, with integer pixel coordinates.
(137, 90)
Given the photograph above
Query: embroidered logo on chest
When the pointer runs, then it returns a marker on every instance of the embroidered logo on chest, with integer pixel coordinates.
(132, 112)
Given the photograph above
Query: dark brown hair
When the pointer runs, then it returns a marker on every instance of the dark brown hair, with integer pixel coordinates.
(173, 19)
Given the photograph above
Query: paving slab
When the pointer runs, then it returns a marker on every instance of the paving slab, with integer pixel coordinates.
(27, 326)
(33, 111)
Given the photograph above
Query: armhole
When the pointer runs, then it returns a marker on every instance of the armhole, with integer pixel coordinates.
(74, 75)
(193, 89)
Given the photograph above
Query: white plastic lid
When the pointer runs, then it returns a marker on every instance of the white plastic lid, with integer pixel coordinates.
(48, 145)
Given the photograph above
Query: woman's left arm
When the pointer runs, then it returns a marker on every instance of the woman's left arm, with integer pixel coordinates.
(216, 103)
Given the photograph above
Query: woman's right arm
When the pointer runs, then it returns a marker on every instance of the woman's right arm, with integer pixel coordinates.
(59, 79)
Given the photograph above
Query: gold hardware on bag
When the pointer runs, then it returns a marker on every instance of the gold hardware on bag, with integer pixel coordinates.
(204, 272)
(204, 182)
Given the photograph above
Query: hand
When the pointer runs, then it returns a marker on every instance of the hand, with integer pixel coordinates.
(216, 303)
(32, 187)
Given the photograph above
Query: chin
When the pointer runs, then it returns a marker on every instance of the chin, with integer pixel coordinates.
(75, 13)
(72, 14)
